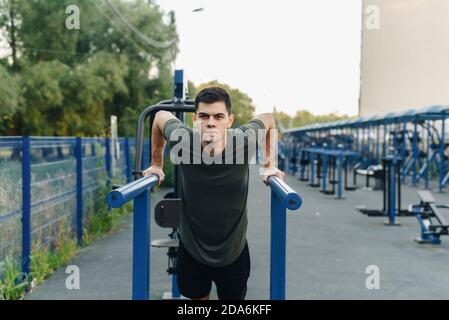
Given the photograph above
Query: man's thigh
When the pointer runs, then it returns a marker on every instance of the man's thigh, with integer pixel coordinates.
(194, 281)
(231, 280)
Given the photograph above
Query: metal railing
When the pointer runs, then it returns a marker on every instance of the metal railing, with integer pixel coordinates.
(283, 197)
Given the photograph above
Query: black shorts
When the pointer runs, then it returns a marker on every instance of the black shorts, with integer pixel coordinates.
(195, 279)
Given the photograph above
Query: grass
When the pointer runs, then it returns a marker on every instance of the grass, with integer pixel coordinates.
(12, 284)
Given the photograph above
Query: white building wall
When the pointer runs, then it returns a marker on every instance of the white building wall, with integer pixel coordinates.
(405, 62)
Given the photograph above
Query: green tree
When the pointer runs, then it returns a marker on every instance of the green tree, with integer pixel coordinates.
(9, 26)
(104, 66)
(303, 118)
(42, 98)
(89, 91)
(9, 98)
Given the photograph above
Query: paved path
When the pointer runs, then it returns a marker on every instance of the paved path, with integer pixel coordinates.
(329, 246)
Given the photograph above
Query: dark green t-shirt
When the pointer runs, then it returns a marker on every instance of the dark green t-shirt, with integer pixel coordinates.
(214, 194)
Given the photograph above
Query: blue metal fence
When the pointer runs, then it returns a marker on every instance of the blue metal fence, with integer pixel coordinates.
(48, 188)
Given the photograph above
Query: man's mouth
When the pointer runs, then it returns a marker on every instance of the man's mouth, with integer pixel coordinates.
(211, 135)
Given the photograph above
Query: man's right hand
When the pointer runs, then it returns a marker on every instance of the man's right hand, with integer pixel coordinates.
(157, 170)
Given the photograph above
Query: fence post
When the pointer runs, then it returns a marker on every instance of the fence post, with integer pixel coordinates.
(79, 190)
(26, 204)
(108, 160)
(128, 160)
(278, 250)
(442, 146)
(141, 247)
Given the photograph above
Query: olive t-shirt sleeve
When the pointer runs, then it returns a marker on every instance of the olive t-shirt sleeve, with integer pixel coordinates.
(175, 131)
(249, 134)
(254, 124)
(252, 131)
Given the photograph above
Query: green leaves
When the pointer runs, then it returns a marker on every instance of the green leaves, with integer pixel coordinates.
(303, 117)
(9, 96)
(72, 100)
(72, 81)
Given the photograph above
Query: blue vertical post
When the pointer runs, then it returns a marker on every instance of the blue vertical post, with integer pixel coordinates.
(174, 285)
(339, 175)
(442, 142)
(146, 155)
(312, 168)
(404, 141)
(178, 89)
(79, 190)
(324, 172)
(26, 204)
(278, 250)
(179, 95)
(303, 167)
(128, 161)
(108, 160)
(141, 247)
(362, 146)
(377, 145)
(392, 191)
(428, 151)
(391, 164)
(415, 153)
(369, 145)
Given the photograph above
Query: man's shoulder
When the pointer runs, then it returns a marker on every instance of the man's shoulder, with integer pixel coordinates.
(254, 124)
(174, 129)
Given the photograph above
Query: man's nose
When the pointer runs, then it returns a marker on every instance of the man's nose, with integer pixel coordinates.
(211, 122)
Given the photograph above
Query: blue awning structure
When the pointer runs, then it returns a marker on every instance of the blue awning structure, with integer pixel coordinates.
(433, 112)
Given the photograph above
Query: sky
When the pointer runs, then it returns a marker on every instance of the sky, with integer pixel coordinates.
(288, 54)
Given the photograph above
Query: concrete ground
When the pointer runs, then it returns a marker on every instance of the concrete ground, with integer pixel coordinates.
(329, 247)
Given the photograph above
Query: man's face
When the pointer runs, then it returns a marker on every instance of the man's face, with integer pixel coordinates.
(213, 120)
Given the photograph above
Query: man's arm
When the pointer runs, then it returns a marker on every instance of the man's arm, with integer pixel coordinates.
(270, 139)
(157, 137)
(269, 149)
(158, 144)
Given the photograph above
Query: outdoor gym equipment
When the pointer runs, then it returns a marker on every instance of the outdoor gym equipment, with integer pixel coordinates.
(432, 223)
(168, 210)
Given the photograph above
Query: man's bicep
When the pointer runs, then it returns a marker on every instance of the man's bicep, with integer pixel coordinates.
(254, 129)
(162, 117)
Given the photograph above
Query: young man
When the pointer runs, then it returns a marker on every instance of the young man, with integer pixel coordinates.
(213, 244)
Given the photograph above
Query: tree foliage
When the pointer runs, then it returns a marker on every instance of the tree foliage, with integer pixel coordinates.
(71, 80)
(303, 118)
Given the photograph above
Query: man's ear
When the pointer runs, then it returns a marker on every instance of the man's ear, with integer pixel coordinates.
(231, 120)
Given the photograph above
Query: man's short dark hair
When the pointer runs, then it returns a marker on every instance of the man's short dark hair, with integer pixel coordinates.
(213, 94)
